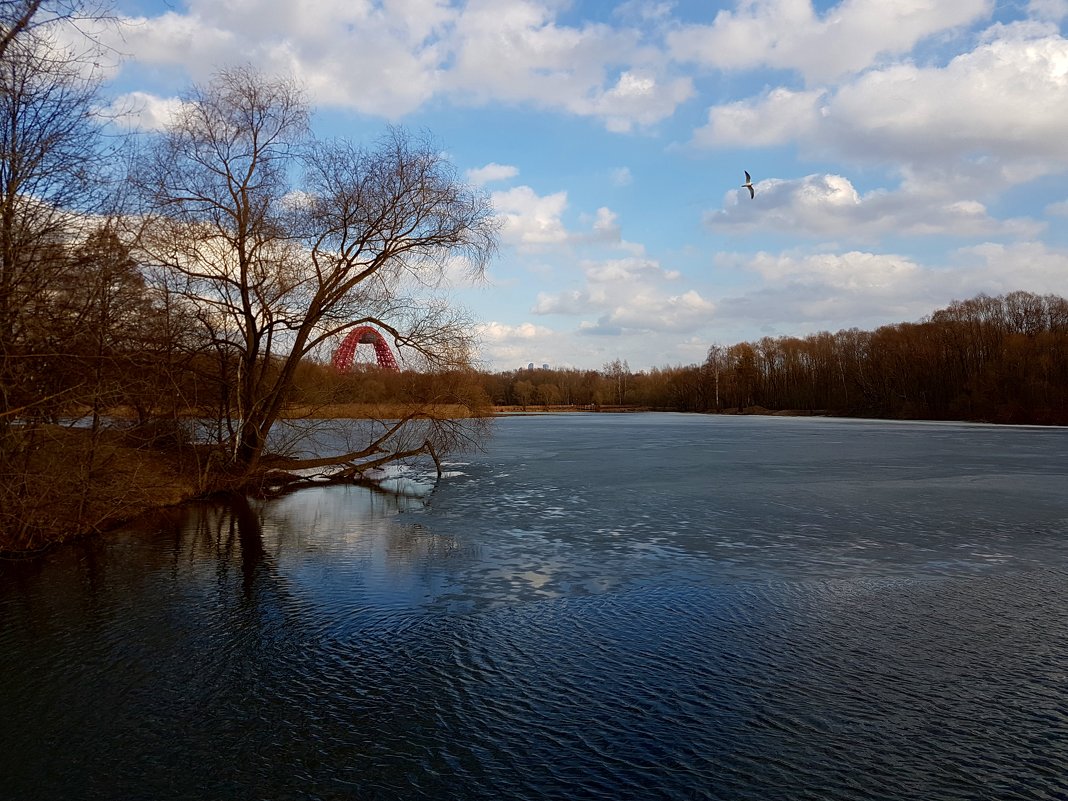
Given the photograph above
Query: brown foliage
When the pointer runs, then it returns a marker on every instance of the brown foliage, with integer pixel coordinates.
(59, 482)
(1002, 359)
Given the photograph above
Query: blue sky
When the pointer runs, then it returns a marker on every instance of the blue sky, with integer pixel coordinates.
(905, 153)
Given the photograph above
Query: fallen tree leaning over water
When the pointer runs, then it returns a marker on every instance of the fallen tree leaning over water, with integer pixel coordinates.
(417, 434)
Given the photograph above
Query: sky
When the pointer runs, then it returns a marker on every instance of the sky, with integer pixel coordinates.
(904, 153)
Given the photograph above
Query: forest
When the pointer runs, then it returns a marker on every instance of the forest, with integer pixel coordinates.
(990, 359)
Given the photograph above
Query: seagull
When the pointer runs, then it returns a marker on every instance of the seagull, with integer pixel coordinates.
(749, 184)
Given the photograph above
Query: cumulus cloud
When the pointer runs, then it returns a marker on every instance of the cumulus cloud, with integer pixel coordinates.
(800, 293)
(777, 117)
(390, 58)
(174, 39)
(804, 293)
(628, 295)
(606, 223)
(637, 98)
(515, 51)
(505, 344)
(852, 270)
(349, 54)
(644, 11)
(142, 111)
(529, 219)
(491, 172)
(830, 206)
(789, 34)
(501, 332)
(1004, 98)
(996, 268)
(1054, 10)
(991, 116)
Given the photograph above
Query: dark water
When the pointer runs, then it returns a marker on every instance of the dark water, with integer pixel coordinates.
(609, 607)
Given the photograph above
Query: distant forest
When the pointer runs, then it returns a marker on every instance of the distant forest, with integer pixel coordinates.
(998, 359)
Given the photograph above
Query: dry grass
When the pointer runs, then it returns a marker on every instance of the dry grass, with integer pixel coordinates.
(68, 487)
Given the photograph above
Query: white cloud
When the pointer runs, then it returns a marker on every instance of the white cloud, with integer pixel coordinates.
(852, 270)
(530, 219)
(515, 51)
(606, 223)
(383, 61)
(390, 58)
(1055, 10)
(1059, 209)
(991, 117)
(644, 11)
(779, 116)
(621, 176)
(491, 172)
(603, 228)
(1005, 99)
(996, 268)
(174, 39)
(789, 34)
(628, 295)
(507, 345)
(142, 111)
(830, 206)
(800, 293)
(637, 98)
(502, 332)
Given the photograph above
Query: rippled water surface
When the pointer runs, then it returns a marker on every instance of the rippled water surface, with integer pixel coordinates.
(599, 606)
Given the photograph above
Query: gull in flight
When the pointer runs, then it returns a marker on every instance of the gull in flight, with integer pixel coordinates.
(749, 184)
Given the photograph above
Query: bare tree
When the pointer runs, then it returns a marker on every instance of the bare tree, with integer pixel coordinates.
(715, 363)
(280, 268)
(26, 19)
(618, 372)
(53, 168)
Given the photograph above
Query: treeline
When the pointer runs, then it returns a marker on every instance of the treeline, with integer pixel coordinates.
(999, 359)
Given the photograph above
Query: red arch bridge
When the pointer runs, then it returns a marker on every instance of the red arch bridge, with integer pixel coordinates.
(363, 335)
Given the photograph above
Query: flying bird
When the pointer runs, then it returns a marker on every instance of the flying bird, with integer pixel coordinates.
(749, 184)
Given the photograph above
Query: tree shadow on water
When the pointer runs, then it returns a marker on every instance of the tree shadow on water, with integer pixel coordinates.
(250, 539)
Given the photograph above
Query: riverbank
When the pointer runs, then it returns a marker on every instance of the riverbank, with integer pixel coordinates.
(68, 483)
(617, 409)
(71, 485)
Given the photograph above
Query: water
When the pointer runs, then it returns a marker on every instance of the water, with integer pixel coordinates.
(599, 606)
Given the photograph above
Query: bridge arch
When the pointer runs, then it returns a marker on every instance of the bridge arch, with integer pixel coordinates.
(364, 335)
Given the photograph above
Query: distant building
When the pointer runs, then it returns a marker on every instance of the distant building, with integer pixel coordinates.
(545, 367)
(530, 366)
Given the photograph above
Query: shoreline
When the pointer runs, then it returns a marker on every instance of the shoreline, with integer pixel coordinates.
(131, 480)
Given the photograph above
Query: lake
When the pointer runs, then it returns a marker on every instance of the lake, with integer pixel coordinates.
(632, 606)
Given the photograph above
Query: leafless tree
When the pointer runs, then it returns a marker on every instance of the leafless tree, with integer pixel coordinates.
(285, 243)
(618, 372)
(22, 20)
(53, 168)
